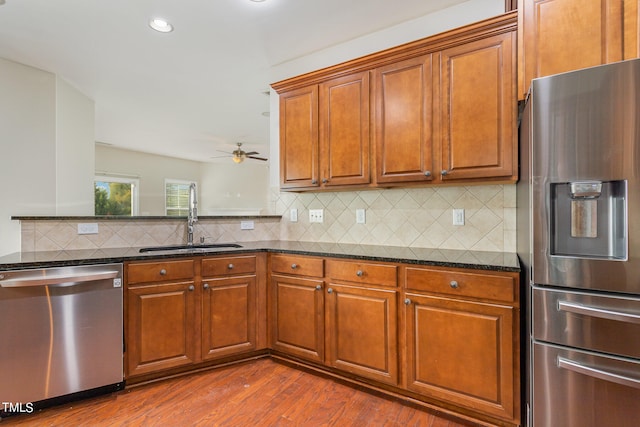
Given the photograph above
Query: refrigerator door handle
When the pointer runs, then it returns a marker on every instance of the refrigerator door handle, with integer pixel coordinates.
(597, 373)
(602, 313)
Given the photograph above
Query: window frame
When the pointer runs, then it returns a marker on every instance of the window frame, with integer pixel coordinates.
(135, 185)
(168, 181)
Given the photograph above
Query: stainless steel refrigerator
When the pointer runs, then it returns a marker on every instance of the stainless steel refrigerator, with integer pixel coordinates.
(579, 243)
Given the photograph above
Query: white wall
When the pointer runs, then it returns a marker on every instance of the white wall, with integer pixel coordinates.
(46, 147)
(27, 148)
(229, 188)
(150, 169)
(75, 135)
(223, 188)
(428, 25)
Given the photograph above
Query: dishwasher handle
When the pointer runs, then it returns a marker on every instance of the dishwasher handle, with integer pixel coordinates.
(53, 280)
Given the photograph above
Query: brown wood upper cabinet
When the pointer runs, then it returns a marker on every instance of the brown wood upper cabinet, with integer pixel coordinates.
(564, 35)
(441, 109)
(403, 121)
(325, 134)
(477, 110)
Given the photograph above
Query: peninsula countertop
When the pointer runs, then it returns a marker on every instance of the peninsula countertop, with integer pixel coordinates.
(496, 261)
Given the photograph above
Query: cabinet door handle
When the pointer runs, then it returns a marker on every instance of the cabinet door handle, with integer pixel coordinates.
(427, 173)
(325, 180)
(329, 291)
(359, 273)
(314, 181)
(444, 172)
(163, 272)
(230, 266)
(206, 286)
(191, 288)
(318, 287)
(407, 301)
(453, 284)
(294, 266)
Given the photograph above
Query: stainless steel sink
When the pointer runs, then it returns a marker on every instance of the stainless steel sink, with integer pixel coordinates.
(195, 247)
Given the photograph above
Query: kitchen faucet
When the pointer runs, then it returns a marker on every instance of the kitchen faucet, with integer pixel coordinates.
(193, 213)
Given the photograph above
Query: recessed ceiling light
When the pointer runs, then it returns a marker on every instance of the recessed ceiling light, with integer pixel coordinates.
(161, 25)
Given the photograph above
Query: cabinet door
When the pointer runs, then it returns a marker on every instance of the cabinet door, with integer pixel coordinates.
(299, 138)
(298, 317)
(566, 35)
(228, 316)
(462, 352)
(478, 110)
(160, 328)
(344, 130)
(403, 121)
(361, 332)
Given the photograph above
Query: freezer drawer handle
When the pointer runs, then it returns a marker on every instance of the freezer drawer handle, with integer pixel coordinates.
(597, 373)
(598, 312)
(57, 280)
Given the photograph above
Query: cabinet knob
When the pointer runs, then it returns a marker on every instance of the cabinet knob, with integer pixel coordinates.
(329, 291)
(427, 173)
(444, 172)
(314, 181)
(359, 273)
(325, 180)
(453, 284)
(230, 266)
(407, 301)
(163, 272)
(294, 266)
(191, 288)
(318, 287)
(206, 286)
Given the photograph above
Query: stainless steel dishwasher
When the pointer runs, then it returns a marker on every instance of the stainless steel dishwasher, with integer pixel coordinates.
(61, 334)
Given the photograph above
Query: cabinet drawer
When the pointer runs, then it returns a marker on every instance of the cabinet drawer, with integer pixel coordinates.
(467, 284)
(298, 265)
(362, 272)
(160, 271)
(228, 265)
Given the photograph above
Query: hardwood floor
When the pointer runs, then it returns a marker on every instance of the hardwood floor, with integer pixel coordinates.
(258, 393)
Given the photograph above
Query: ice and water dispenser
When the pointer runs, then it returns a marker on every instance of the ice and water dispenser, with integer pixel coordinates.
(589, 219)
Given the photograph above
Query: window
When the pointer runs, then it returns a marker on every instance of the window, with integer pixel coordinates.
(176, 194)
(116, 196)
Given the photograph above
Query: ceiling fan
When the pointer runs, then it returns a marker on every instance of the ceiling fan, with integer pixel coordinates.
(239, 154)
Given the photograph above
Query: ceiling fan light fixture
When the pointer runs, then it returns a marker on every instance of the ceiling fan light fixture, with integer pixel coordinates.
(161, 25)
(238, 159)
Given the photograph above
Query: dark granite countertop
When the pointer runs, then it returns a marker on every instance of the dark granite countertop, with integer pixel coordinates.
(496, 261)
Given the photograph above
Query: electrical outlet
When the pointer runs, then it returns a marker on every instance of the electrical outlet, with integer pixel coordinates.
(316, 215)
(293, 215)
(458, 217)
(246, 225)
(360, 216)
(88, 228)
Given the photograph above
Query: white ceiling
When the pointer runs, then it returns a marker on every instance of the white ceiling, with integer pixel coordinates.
(200, 88)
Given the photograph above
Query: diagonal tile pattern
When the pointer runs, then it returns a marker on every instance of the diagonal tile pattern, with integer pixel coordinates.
(412, 217)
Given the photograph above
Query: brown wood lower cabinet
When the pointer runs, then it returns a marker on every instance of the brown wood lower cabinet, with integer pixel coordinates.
(448, 337)
(297, 317)
(160, 327)
(361, 331)
(182, 313)
(461, 352)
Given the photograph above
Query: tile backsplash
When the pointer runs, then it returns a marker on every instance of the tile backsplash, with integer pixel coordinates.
(412, 217)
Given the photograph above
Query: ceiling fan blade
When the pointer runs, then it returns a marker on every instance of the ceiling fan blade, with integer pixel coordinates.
(226, 152)
(251, 153)
(257, 158)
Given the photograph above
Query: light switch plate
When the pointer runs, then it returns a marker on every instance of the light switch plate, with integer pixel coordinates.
(458, 217)
(316, 215)
(293, 215)
(360, 216)
(88, 228)
(246, 225)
